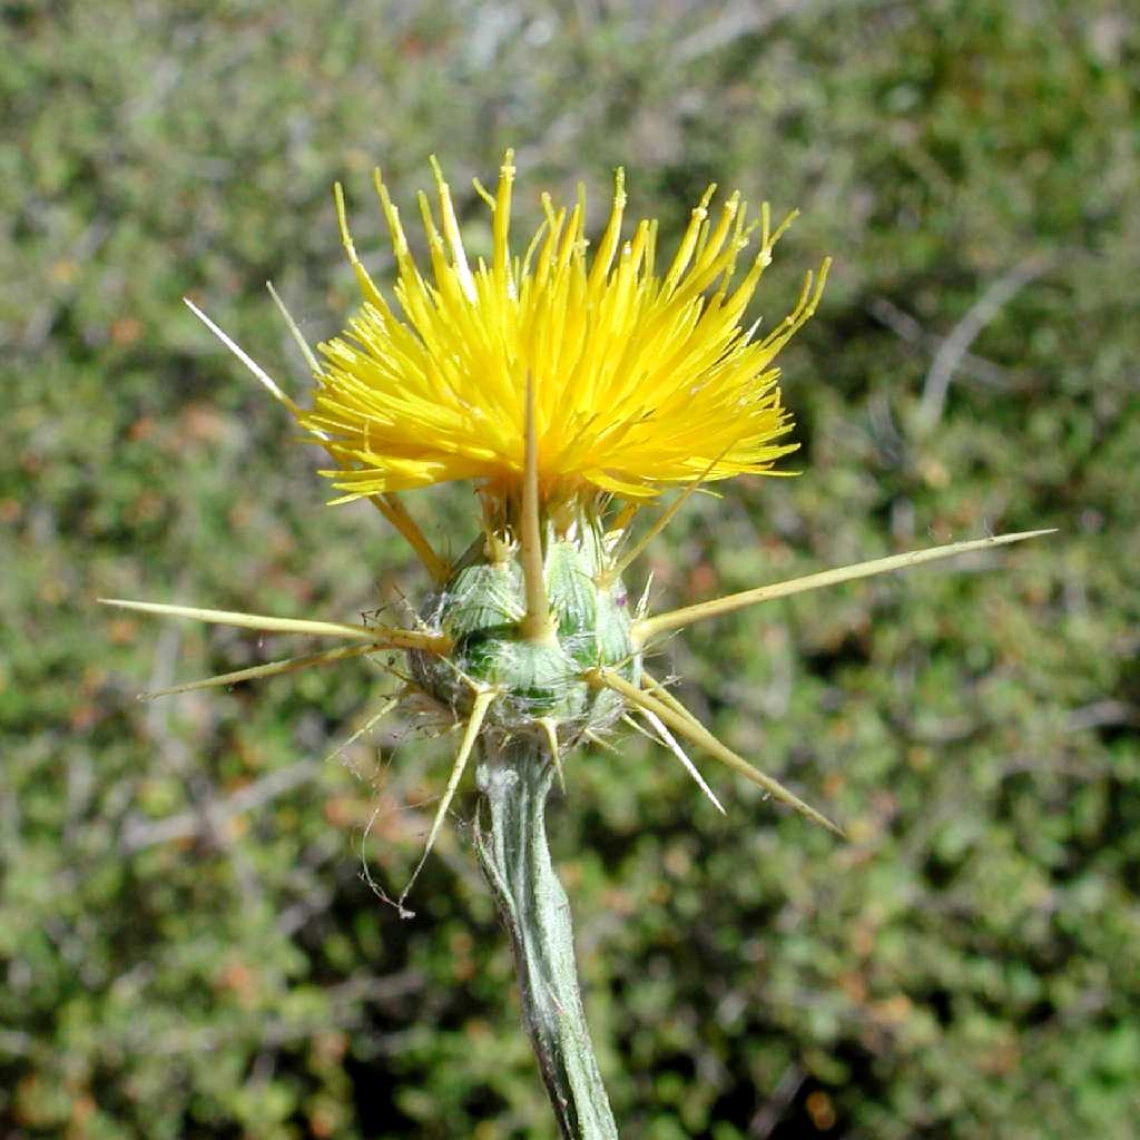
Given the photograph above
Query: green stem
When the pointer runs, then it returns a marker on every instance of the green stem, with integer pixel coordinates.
(515, 781)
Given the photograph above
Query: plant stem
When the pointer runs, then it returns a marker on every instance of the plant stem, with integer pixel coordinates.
(515, 780)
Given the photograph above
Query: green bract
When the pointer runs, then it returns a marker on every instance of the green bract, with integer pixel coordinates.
(481, 609)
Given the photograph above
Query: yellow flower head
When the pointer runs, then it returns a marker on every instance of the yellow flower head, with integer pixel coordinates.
(642, 378)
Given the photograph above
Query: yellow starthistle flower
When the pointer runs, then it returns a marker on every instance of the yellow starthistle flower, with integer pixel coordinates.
(574, 389)
(642, 377)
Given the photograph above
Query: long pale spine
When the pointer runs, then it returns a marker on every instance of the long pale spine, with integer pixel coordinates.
(515, 781)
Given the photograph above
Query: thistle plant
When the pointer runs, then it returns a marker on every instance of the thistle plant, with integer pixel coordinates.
(573, 388)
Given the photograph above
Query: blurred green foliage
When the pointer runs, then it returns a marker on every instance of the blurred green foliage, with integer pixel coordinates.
(187, 944)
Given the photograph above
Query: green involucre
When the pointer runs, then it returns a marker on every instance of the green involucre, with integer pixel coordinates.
(481, 608)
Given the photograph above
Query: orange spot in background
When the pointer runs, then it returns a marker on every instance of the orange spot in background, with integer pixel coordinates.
(203, 423)
(821, 1109)
(892, 1011)
(618, 901)
(142, 428)
(240, 980)
(854, 985)
(863, 941)
(125, 331)
(322, 1123)
(82, 1109)
(703, 579)
(83, 717)
(341, 811)
(330, 1045)
(934, 473)
(122, 631)
(920, 758)
(479, 1030)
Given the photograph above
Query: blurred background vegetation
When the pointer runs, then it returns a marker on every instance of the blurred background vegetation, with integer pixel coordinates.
(187, 944)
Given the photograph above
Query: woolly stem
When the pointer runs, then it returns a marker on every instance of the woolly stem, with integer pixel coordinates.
(515, 781)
